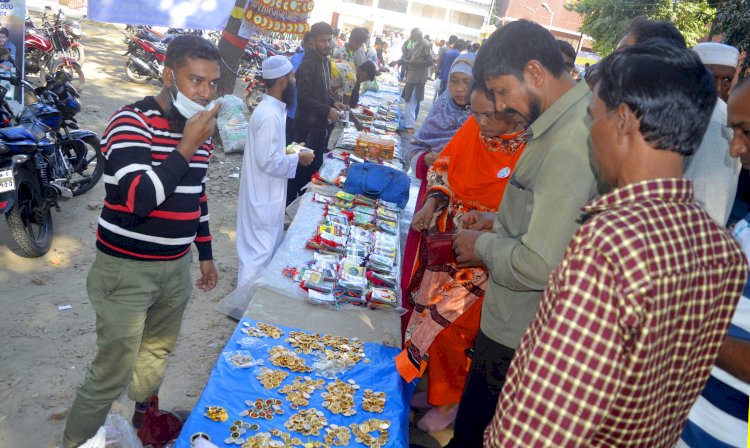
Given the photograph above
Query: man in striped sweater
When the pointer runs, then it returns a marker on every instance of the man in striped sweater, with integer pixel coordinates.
(157, 152)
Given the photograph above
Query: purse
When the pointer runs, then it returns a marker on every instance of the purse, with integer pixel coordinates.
(378, 182)
(440, 248)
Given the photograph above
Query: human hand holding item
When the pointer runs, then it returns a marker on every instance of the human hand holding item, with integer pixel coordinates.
(429, 158)
(422, 219)
(306, 156)
(463, 246)
(207, 282)
(333, 115)
(476, 220)
(197, 129)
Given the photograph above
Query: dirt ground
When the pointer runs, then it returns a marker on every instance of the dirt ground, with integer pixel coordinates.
(44, 353)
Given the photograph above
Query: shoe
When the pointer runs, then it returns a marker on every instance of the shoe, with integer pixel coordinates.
(138, 413)
(434, 420)
(419, 401)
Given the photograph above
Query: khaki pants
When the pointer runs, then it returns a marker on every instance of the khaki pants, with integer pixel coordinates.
(139, 307)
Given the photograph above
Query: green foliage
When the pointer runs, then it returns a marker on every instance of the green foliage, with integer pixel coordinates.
(733, 22)
(606, 21)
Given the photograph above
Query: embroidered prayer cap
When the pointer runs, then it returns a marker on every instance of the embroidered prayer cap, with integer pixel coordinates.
(717, 54)
(276, 67)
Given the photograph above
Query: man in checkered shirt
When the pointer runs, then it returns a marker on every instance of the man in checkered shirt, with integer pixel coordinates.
(634, 315)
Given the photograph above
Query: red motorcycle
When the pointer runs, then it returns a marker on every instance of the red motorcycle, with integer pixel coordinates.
(145, 59)
(42, 57)
(254, 90)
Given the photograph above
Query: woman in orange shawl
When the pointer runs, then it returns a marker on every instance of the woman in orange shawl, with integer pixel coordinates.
(470, 174)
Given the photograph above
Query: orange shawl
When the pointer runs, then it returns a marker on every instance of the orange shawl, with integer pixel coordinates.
(479, 168)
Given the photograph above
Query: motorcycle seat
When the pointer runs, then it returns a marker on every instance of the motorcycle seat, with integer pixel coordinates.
(17, 135)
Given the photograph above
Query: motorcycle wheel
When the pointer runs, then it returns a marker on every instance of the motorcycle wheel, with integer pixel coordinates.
(89, 167)
(131, 71)
(30, 228)
(76, 53)
(253, 98)
(73, 69)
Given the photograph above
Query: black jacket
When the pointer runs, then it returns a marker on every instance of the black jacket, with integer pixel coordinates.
(314, 99)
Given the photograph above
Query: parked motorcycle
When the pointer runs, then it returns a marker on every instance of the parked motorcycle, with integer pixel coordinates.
(254, 90)
(64, 32)
(44, 54)
(45, 157)
(145, 59)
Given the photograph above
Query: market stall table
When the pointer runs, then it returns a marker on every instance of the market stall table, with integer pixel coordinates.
(232, 392)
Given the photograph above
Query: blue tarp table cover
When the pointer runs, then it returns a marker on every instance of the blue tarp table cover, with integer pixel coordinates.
(230, 388)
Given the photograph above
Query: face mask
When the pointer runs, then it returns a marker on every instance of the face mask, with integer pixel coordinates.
(188, 107)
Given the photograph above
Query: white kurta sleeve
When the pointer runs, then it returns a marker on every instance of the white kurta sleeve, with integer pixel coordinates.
(268, 148)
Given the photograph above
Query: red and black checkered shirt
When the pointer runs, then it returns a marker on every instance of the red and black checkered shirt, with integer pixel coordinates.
(628, 328)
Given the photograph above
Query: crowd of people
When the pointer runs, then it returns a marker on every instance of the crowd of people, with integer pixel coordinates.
(569, 273)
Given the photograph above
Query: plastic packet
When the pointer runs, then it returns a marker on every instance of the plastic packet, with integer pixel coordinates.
(116, 432)
(240, 359)
(232, 124)
(251, 343)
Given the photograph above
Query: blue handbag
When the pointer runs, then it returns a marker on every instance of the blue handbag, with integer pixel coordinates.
(378, 182)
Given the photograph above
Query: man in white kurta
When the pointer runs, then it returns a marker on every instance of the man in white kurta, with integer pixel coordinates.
(265, 170)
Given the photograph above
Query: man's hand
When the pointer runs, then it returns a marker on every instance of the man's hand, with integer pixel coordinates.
(429, 158)
(334, 116)
(476, 220)
(463, 246)
(306, 157)
(197, 129)
(341, 107)
(422, 219)
(208, 276)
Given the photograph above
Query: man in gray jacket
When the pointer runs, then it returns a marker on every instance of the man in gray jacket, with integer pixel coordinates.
(418, 59)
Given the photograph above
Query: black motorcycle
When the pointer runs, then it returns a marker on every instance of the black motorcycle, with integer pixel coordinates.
(43, 156)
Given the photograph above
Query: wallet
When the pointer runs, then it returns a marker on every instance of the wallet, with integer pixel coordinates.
(440, 248)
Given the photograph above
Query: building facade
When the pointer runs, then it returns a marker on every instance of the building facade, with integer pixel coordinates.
(551, 14)
(437, 18)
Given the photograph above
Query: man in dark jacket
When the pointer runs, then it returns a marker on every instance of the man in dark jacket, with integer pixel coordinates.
(417, 59)
(315, 105)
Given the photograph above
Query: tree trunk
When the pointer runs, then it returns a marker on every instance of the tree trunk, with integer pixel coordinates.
(231, 54)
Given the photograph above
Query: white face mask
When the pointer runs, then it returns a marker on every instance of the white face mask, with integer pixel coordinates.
(188, 107)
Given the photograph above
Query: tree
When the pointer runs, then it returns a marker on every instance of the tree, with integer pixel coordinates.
(232, 48)
(606, 21)
(733, 22)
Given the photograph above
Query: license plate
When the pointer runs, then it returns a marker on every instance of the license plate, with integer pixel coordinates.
(6, 181)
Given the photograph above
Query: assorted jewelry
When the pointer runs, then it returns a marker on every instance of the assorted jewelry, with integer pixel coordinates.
(237, 430)
(307, 421)
(340, 397)
(261, 408)
(261, 330)
(373, 401)
(283, 357)
(299, 392)
(337, 435)
(216, 413)
(271, 379)
(362, 432)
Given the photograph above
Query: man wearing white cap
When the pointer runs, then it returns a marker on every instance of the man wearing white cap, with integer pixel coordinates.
(265, 170)
(713, 171)
(721, 60)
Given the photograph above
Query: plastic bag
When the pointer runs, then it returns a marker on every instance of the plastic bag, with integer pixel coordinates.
(235, 303)
(116, 433)
(232, 124)
(240, 359)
